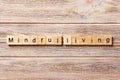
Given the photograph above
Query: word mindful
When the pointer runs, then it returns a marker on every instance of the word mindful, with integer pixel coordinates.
(59, 40)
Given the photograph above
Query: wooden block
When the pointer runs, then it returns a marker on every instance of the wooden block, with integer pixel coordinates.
(33, 40)
(10, 40)
(26, 40)
(109, 40)
(18, 40)
(54, 40)
(76, 40)
(41, 40)
(14, 40)
(67, 40)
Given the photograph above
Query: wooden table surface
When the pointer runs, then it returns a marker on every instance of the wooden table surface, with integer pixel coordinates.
(60, 17)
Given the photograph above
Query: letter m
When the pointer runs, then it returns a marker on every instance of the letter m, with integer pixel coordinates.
(10, 39)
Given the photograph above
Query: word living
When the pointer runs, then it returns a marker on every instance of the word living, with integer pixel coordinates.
(59, 40)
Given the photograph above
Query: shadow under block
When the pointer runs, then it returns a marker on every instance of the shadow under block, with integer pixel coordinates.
(59, 40)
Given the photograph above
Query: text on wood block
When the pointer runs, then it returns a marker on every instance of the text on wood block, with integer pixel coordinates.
(59, 40)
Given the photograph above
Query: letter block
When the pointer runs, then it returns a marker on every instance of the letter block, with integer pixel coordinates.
(10, 40)
(67, 40)
(33, 40)
(25, 40)
(41, 40)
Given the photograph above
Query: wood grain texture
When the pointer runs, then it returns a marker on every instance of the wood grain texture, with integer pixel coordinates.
(60, 11)
(59, 29)
(60, 17)
(59, 69)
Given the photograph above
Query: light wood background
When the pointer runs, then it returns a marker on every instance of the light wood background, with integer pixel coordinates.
(60, 17)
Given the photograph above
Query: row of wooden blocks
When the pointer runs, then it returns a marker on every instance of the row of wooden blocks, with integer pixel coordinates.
(59, 40)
